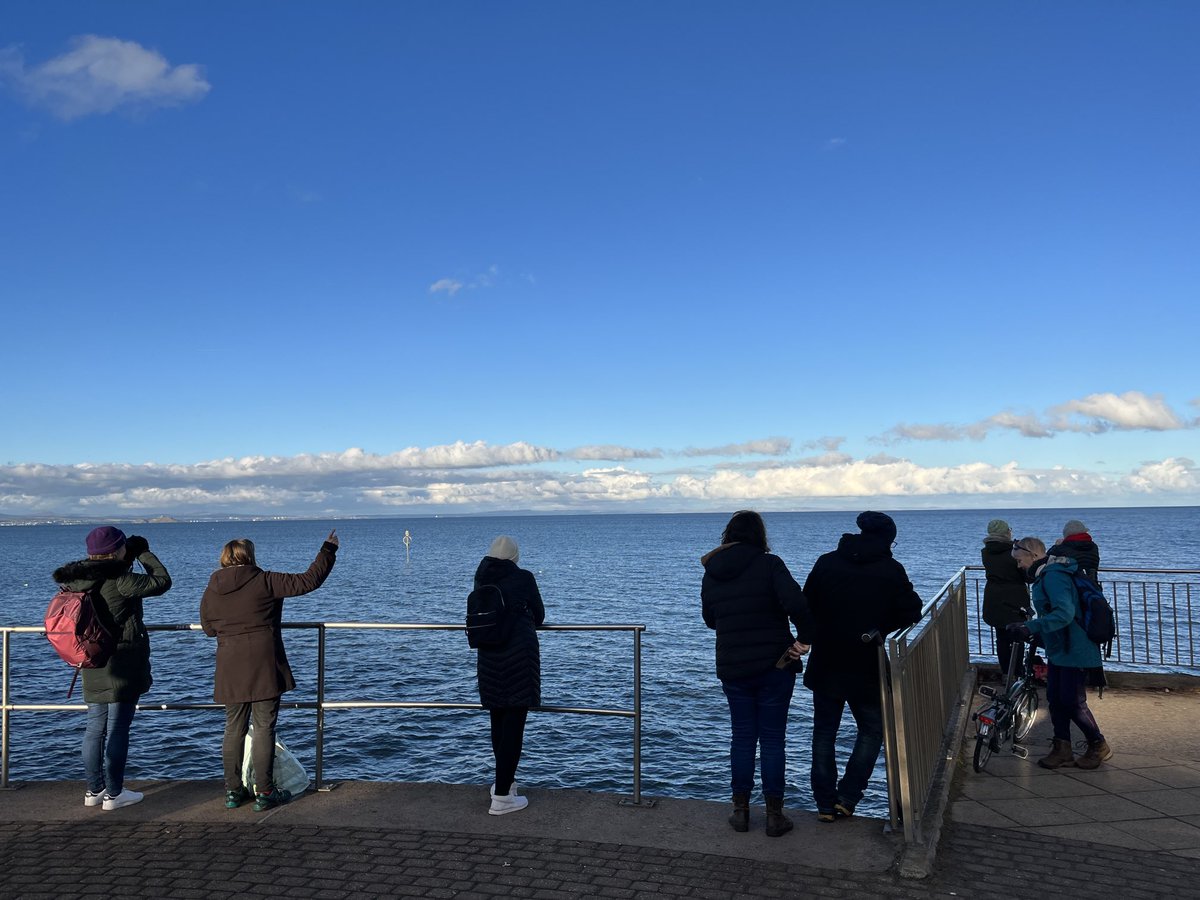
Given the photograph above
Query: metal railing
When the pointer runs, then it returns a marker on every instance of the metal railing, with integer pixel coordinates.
(1157, 612)
(928, 663)
(321, 705)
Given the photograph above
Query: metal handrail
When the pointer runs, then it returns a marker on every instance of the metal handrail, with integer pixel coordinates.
(321, 704)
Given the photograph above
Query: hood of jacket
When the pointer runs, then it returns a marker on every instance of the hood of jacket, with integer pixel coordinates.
(862, 549)
(86, 572)
(492, 569)
(232, 578)
(997, 546)
(1063, 563)
(729, 561)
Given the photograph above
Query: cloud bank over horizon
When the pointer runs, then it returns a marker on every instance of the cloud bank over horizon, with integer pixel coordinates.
(520, 477)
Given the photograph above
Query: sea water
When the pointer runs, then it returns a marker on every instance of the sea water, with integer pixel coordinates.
(592, 569)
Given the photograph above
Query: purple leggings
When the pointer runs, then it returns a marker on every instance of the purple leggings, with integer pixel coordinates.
(1066, 695)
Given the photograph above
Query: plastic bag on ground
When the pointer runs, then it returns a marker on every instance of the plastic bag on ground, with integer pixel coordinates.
(289, 773)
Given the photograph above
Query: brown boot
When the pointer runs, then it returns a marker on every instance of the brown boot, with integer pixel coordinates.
(740, 820)
(1060, 755)
(1097, 752)
(777, 822)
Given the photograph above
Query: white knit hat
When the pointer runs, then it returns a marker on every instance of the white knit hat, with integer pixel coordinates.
(1074, 527)
(504, 547)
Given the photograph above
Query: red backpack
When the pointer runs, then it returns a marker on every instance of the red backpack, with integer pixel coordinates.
(76, 632)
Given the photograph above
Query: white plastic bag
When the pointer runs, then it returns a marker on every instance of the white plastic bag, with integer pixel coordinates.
(289, 774)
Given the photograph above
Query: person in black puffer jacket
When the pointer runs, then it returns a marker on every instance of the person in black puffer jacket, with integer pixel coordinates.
(747, 596)
(1005, 593)
(510, 675)
(855, 590)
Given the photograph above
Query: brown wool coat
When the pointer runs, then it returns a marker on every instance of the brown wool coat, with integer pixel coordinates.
(242, 608)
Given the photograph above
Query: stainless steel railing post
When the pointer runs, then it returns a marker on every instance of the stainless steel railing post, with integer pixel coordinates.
(4, 720)
(320, 705)
(637, 716)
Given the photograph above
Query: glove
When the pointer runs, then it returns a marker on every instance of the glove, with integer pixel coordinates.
(1019, 630)
(135, 546)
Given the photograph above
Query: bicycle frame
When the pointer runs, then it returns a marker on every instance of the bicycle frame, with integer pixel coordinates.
(1012, 712)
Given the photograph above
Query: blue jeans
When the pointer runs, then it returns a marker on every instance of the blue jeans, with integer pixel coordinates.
(827, 718)
(1066, 695)
(106, 746)
(758, 713)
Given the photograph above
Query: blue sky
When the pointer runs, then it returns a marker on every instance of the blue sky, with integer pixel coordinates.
(391, 258)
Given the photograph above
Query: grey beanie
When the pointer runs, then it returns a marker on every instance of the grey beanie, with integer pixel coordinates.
(504, 547)
(999, 528)
(1074, 527)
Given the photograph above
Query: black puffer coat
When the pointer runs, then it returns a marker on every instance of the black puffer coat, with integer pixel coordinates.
(747, 596)
(511, 674)
(852, 591)
(1005, 594)
(127, 675)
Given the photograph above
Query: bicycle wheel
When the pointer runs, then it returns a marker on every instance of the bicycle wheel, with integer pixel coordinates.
(983, 751)
(1025, 714)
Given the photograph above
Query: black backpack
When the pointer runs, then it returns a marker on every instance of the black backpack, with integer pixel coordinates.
(487, 617)
(1094, 613)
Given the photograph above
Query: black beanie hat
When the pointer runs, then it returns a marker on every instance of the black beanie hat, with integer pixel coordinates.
(877, 523)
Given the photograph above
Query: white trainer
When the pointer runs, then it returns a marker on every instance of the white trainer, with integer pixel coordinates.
(501, 804)
(125, 798)
(90, 799)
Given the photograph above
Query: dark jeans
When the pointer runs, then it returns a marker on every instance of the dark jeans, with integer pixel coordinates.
(758, 713)
(106, 746)
(1066, 695)
(262, 746)
(1004, 645)
(508, 735)
(827, 719)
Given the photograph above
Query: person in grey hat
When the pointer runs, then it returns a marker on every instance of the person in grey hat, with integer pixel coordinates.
(855, 590)
(1005, 592)
(1077, 544)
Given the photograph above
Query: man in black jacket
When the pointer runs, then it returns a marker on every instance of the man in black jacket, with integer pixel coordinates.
(855, 590)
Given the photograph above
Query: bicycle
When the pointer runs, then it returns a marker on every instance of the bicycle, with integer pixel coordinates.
(1012, 712)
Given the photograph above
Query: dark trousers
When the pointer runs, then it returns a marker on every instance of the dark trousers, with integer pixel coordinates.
(508, 734)
(1004, 645)
(262, 747)
(1066, 695)
(758, 715)
(827, 719)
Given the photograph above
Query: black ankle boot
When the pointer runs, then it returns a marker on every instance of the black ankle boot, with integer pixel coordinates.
(740, 819)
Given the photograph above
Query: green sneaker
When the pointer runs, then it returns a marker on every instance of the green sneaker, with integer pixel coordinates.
(277, 796)
(234, 799)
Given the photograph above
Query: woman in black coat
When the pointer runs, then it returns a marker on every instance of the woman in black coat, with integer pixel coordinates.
(748, 597)
(510, 674)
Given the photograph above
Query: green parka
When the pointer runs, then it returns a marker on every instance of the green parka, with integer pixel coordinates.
(127, 675)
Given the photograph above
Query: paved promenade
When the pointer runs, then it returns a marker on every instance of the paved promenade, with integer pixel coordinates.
(1010, 831)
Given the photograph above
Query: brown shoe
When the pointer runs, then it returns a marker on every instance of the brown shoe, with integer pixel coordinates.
(1097, 752)
(1060, 755)
(740, 820)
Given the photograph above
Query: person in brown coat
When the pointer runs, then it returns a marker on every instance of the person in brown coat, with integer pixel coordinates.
(242, 608)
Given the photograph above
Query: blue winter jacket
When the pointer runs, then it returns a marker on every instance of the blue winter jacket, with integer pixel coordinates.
(1055, 601)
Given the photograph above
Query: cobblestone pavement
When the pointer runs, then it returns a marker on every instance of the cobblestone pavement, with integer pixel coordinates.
(202, 860)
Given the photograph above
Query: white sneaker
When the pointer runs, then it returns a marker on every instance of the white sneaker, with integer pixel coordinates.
(125, 798)
(90, 799)
(502, 804)
(512, 790)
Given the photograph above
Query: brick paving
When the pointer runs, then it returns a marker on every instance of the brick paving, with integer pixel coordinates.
(212, 860)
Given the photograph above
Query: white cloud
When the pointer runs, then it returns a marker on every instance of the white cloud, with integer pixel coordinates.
(775, 446)
(1093, 414)
(611, 452)
(101, 74)
(449, 285)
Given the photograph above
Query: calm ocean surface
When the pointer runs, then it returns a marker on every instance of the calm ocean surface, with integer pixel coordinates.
(591, 569)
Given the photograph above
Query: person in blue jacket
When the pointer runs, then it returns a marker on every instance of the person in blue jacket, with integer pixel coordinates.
(1069, 651)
